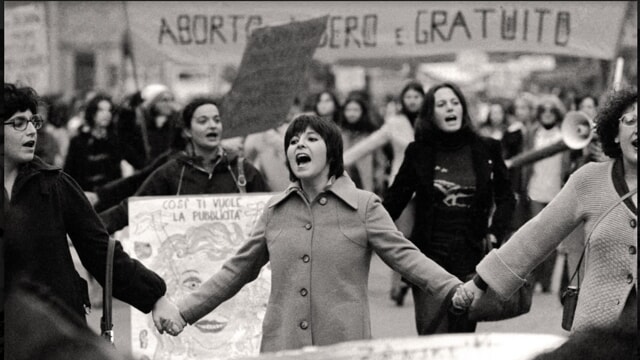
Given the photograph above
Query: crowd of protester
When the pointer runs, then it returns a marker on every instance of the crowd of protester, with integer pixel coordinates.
(431, 164)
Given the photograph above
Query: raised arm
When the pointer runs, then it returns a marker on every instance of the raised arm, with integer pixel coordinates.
(366, 146)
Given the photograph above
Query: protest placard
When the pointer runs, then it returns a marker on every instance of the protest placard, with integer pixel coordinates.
(271, 74)
(185, 240)
(26, 51)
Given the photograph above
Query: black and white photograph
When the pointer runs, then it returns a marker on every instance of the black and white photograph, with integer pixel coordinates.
(320, 180)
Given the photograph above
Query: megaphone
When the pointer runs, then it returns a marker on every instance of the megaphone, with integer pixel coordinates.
(577, 132)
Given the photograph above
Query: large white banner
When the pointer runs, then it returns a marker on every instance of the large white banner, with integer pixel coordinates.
(216, 32)
(26, 53)
(185, 240)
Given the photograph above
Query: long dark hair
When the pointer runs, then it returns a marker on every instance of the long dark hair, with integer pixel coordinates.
(92, 110)
(336, 104)
(415, 86)
(365, 124)
(425, 125)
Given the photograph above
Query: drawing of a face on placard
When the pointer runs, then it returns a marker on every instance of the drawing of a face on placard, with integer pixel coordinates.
(186, 261)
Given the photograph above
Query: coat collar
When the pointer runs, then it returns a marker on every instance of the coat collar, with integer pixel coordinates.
(343, 187)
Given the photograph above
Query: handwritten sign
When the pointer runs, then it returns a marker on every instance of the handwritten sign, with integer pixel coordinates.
(216, 32)
(271, 74)
(185, 240)
(26, 53)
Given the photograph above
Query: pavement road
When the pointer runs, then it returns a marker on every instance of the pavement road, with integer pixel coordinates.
(387, 319)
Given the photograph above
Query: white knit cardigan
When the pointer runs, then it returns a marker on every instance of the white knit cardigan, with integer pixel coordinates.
(611, 259)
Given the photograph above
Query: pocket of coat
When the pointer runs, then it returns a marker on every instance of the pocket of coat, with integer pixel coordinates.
(353, 229)
(271, 234)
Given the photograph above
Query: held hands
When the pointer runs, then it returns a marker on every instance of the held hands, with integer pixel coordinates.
(166, 317)
(476, 293)
(462, 298)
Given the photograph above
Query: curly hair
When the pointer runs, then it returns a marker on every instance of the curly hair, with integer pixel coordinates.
(19, 99)
(607, 119)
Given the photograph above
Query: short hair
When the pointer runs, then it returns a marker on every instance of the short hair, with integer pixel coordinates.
(328, 131)
(192, 106)
(19, 99)
(92, 108)
(425, 125)
(607, 119)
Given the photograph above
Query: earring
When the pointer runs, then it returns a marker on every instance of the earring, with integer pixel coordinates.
(616, 140)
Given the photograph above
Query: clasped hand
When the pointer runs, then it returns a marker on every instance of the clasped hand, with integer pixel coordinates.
(167, 317)
(466, 295)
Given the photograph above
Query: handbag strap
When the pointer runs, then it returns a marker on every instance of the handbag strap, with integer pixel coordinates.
(602, 216)
(106, 324)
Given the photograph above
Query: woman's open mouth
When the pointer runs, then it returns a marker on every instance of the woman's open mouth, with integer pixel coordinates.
(302, 159)
(30, 143)
(451, 119)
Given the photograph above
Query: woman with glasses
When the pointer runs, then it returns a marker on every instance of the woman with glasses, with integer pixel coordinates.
(43, 206)
(608, 288)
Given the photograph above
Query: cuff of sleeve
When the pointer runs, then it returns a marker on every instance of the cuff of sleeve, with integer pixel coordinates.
(498, 275)
(480, 282)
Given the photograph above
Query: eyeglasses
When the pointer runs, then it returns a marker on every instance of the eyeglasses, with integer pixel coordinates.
(20, 123)
(629, 119)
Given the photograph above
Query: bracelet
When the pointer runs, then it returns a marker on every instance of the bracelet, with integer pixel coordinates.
(480, 283)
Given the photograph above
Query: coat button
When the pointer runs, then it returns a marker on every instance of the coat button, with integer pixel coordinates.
(323, 201)
(304, 325)
(632, 222)
(632, 250)
(308, 226)
(306, 258)
(303, 292)
(629, 279)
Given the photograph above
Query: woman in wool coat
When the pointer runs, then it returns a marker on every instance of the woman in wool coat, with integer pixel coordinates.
(319, 236)
(458, 178)
(608, 288)
(42, 207)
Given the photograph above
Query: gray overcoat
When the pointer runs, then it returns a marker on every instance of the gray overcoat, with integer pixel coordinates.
(320, 253)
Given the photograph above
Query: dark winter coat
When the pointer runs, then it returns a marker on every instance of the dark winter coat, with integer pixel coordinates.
(47, 205)
(416, 175)
(184, 175)
(93, 162)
